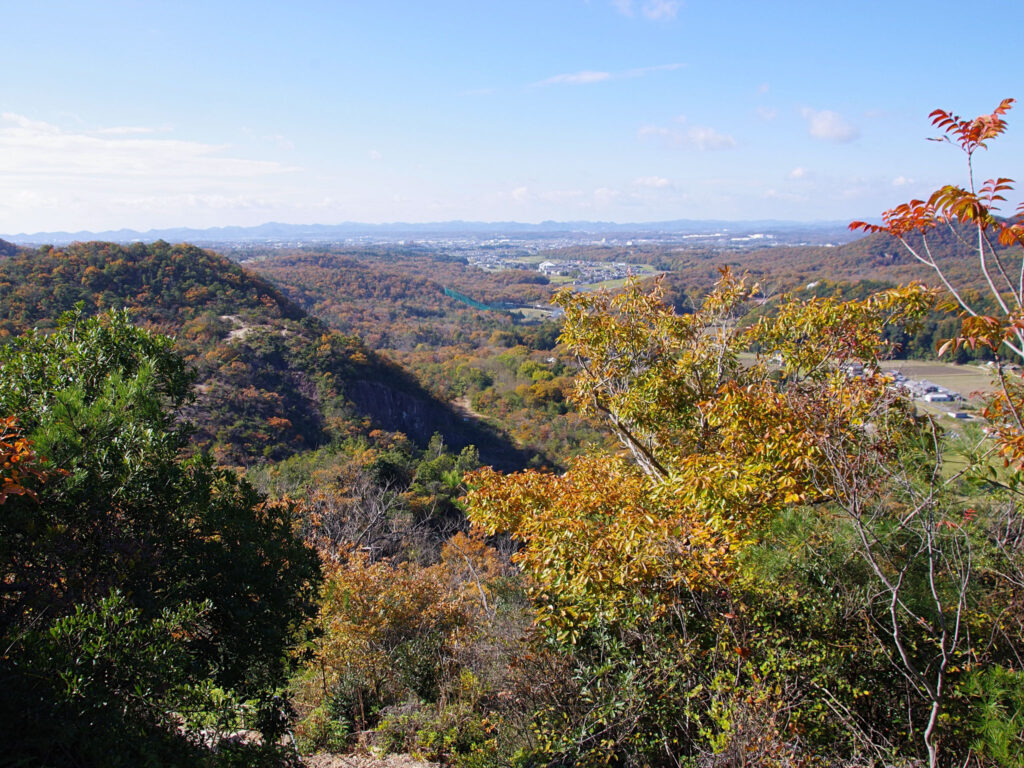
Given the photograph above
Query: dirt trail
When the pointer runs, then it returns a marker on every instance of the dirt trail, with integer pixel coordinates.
(465, 407)
(364, 761)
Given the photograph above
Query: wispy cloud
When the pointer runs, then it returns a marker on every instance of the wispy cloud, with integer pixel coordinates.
(281, 141)
(699, 137)
(589, 76)
(121, 171)
(277, 139)
(797, 173)
(34, 148)
(131, 130)
(660, 10)
(655, 10)
(576, 78)
(767, 113)
(829, 126)
(652, 182)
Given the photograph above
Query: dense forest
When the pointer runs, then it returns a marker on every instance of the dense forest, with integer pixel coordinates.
(329, 508)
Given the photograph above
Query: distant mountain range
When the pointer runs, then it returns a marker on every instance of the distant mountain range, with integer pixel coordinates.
(818, 232)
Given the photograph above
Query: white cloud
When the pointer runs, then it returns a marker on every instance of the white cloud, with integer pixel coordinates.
(120, 175)
(278, 140)
(519, 194)
(660, 10)
(34, 149)
(798, 173)
(767, 113)
(625, 7)
(281, 141)
(576, 78)
(708, 138)
(652, 182)
(828, 125)
(588, 76)
(373, 154)
(655, 10)
(130, 130)
(697, 137)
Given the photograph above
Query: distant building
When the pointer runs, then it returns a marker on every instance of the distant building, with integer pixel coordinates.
(853, 370)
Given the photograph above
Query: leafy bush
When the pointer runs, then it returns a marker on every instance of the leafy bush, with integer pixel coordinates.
(136, 583)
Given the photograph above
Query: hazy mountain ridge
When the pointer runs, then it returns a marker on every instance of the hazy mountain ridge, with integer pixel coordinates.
(273, 231)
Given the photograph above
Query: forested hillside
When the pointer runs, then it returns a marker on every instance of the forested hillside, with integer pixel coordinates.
(271, 380)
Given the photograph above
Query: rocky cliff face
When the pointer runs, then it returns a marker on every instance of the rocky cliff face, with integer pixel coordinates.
(419, 416)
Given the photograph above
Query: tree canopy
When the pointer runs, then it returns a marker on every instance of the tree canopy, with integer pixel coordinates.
(135, 581)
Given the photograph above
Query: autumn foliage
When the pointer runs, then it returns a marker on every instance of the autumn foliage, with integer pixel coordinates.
(998, 252)
(724, 425)
(18, 462)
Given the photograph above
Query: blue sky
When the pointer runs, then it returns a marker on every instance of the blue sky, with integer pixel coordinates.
(152, 114)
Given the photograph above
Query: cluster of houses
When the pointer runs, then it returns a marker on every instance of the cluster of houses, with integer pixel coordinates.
(581, 271)
(496, 260)
(919, 389)
(586, 271)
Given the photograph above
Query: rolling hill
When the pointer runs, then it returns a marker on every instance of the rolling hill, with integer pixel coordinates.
(271, 380)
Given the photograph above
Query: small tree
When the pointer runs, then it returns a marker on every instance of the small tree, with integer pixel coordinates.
(997, 245)
(641, 570)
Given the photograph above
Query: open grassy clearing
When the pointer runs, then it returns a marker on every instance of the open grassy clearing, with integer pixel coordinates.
(530, 259)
